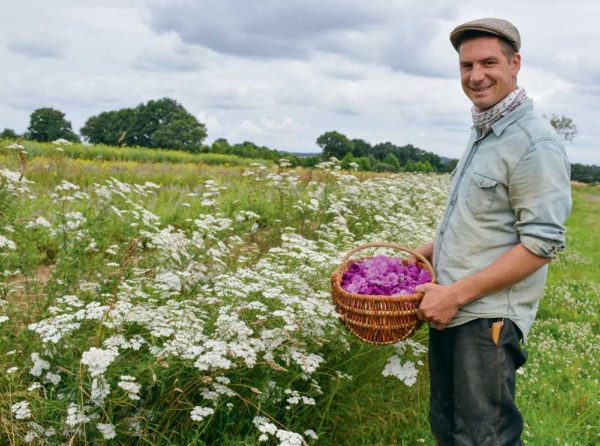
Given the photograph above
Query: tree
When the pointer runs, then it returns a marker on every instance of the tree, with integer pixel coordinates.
(334, 144)
(418, 166)
(391, 160)
(565, 127)
(8, 134)
(149, 117)
(181, 131)
(346, 160)
(48, 124)
(360, 147)
(110, 127)
(163, 123)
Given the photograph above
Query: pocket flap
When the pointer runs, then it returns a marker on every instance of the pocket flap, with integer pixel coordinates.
(483, 182)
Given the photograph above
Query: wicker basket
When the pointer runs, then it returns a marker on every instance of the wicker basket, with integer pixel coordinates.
(377, 319)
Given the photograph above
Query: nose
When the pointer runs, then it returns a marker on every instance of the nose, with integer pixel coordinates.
(477, 73)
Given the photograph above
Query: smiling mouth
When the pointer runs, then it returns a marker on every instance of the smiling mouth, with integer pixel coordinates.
(482, 89)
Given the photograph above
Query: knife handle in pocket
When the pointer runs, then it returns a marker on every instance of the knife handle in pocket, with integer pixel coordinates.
(496, 330)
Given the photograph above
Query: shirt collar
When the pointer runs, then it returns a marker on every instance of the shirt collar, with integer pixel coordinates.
(501, 124)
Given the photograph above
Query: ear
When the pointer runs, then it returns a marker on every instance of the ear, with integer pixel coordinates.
(516, 64)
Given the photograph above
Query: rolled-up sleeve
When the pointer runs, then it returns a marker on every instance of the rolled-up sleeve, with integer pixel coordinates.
(540, 195)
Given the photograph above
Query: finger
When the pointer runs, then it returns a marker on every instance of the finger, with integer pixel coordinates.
(421, 288)
(420, 315)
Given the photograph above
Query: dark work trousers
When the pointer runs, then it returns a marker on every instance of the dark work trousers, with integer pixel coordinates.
(472, 383)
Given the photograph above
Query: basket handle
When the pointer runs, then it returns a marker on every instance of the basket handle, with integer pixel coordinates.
(391, 245)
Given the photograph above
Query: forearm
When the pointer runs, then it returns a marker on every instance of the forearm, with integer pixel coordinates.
(510, 268)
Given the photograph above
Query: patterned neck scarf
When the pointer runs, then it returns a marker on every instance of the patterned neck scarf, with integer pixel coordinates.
(484, 119)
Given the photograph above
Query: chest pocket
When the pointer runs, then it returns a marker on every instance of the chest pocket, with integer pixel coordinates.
(481, 193)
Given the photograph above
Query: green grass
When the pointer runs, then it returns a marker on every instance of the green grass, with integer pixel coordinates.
(99, 152)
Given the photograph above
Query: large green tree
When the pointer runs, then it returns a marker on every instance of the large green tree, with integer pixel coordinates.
(334, 144)
(162, 123)
(109, 127)
(48, 124)
(153, 115)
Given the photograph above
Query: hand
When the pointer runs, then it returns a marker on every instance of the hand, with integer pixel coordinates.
(425, 250)
(439, 304)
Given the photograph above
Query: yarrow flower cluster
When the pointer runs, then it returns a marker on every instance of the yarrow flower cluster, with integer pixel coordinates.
(21, 410)
(383, 276)
(199, 413)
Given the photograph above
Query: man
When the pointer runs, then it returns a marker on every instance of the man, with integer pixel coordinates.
(509, 198)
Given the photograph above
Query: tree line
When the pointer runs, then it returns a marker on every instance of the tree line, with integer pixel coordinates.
(166, 124)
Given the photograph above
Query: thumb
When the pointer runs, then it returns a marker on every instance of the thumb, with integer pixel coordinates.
(422, 288)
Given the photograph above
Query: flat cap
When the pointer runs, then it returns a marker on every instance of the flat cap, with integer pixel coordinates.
(497, 27)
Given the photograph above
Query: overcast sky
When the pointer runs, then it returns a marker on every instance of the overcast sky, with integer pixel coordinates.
(281, 72)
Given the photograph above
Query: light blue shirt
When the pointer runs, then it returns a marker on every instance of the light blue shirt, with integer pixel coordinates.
(510, 186)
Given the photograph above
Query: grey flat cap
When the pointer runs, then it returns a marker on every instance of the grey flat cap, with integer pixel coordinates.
(497, 27)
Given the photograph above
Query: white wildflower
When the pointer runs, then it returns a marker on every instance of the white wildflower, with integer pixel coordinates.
(100, 390)
(199, 413)
(407, 373)
(75, 416)
(168, 281)
(128, 384)
(21, 410)
(54, 378)
(6, 243)
(98, 360)
(312, 434)
(39, 365)
(11, 370)
(39, 222)
(34, 386)
(107, 430)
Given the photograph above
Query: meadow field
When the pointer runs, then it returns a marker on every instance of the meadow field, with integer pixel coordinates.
(149, 300)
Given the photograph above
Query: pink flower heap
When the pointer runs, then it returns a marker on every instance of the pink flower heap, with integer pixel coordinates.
(383, 276)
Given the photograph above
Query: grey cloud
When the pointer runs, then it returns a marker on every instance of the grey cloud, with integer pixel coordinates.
(37, 48)
(396, 34)
(166, 63)
(265, 28)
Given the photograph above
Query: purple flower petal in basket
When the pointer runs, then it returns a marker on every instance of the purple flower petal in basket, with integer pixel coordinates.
(383, 276)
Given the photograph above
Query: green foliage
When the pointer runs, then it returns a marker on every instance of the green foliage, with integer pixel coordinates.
(104, 153)
(360, 147)
(338, 145)
(418, 166)
(334, 144)
(383, 167)
(585, 173)
(162, 123)
(565, 127)
(182, 131)
(347, 160)
(391, 160)
(48, 124)
(364, 163)
(109, 127)
(8, 134)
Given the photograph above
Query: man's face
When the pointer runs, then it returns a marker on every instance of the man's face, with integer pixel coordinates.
(487, 76)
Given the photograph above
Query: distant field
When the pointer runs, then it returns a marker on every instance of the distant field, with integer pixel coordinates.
(177, 302)
(99, 152)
